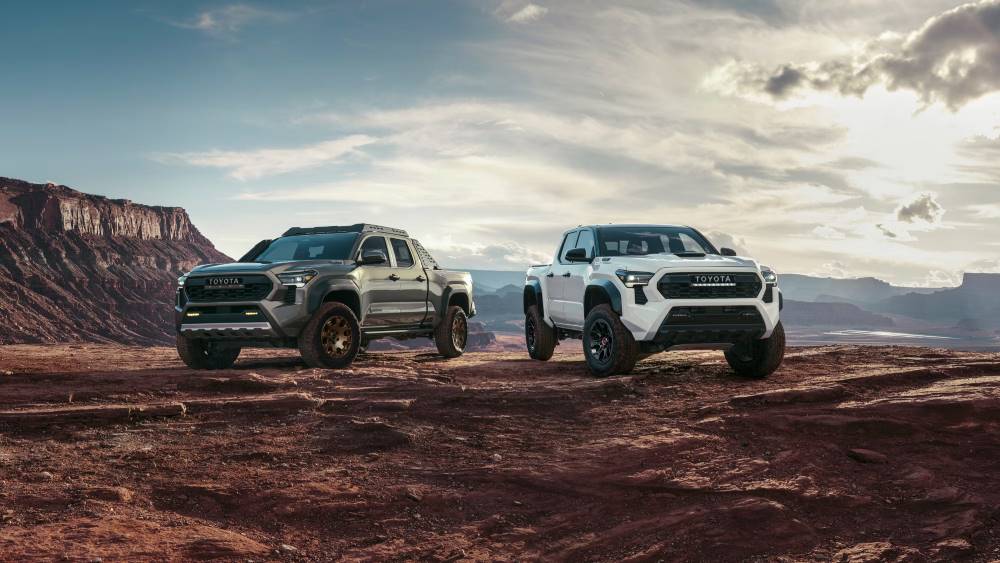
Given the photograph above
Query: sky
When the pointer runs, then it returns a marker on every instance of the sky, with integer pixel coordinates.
(845, 139)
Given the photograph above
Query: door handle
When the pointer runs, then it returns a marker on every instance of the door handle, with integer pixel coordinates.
(567, 274)
(421, 278)
(393, 277)
(550, 275)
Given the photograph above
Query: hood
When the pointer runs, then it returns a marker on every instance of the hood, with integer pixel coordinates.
(276, 267)
(654, 262)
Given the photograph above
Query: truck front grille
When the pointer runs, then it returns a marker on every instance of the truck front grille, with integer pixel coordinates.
(710, 285)
(253, 288)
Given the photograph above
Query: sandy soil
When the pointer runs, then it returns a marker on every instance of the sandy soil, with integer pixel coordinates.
(846, 454)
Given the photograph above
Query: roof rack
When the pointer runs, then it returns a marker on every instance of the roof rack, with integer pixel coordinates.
(356, 228)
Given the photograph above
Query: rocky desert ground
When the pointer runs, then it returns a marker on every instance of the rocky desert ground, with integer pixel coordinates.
(848, 453)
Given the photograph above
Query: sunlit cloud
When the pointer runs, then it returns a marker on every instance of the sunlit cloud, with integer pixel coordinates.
(229, 20)
(245, 165)
(953, 58)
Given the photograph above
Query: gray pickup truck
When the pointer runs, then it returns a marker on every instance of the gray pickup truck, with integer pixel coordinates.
(327, 291)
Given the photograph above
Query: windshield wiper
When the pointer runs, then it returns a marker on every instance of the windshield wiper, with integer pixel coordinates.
(689, 254)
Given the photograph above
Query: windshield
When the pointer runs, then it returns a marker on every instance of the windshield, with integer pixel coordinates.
(644, 240)
(333, 246)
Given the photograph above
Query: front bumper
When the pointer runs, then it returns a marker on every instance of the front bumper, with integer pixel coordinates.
(279, 316)
(646, 315)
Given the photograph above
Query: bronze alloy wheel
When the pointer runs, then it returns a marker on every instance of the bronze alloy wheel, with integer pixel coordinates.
(459, 332)
(337, 337)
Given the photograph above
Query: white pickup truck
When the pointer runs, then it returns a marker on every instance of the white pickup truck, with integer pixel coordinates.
(633, 290)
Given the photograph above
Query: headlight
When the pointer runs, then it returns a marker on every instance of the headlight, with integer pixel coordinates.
(297, 279)
(770, 277)
(182, 279)
(632, 279)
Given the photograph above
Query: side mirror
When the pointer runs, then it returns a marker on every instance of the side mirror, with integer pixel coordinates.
(727, 251)
(372, 257)
(577, 255)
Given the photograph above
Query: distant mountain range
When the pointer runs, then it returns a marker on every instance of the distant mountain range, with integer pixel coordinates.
(850, 290)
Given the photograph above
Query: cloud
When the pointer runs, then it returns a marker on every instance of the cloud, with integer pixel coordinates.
(528, 13)
(985, 210)
(924, 208)
(885, 231)
(246, 165)
(828, 232)
(835, 269)
(514, 12)
(953, 58)
(229, 20)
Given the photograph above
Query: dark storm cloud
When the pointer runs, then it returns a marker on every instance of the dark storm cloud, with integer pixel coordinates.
(953, 58)
(782, 82)
(924, 208)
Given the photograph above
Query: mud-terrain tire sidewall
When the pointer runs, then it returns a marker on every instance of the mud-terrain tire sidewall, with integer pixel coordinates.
(539, 338)
(454, 319)
(766, 356)
(204, 354)
(311, 344)
(623, 347)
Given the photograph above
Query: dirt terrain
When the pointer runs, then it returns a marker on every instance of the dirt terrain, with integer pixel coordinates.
(846, 454)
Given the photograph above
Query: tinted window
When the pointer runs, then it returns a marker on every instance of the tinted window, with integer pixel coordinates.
(375, 243)
(334, 246)
(569, 243)
(642, 240)
(586, 242)
(402, 251)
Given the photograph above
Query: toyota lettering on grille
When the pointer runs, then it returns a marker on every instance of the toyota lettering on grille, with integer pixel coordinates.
(712, 280)
(224, 283)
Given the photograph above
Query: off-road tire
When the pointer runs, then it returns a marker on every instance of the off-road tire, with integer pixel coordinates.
(331, 338)
(452, 333)
(620, 350)
(760, 358)
(205, 354)
(539, 337)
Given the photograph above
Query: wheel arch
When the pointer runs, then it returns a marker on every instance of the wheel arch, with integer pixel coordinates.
(533, 296)
(601, 292)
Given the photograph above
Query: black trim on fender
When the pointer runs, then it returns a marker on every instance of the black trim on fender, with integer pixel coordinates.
(610, 290)
(535, 287)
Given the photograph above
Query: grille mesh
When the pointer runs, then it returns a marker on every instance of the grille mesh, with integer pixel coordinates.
(681, 286)
(255, 288)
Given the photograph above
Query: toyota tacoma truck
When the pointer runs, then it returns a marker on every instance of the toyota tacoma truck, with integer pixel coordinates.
(632, 290)
(326, 291)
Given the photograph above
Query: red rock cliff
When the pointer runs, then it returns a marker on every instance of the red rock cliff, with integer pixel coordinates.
(80, 267)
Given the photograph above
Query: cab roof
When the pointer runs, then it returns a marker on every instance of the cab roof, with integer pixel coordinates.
(356, 228)
(626, 225)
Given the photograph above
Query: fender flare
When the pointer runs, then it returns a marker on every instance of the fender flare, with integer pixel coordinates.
(446, 297)
(609, 289)
(317, 294)
(535, 287)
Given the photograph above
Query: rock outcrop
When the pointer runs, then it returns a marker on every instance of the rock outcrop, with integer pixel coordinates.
(80, 267)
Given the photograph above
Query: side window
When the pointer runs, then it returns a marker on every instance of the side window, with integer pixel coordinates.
(569, 243)
(404, 259)
(375, 243)
(586, 242)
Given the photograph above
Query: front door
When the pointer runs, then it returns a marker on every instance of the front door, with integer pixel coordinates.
(560, 273)
(575, 285)
(377, 285)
